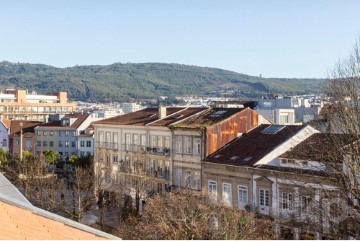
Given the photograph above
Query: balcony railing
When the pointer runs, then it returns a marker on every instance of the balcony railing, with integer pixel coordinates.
(134, 148)
(106, 145)
(160, 151)
(158, 174)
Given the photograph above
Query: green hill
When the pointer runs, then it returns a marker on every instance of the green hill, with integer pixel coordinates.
(124, 82)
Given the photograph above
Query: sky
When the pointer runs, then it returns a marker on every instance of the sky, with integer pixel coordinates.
(272, 38)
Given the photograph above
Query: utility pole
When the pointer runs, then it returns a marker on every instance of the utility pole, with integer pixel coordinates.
(21, 141)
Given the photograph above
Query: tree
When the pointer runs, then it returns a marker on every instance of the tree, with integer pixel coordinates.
(343, 116)
(3, 158)
(52, 157)
(193, 215)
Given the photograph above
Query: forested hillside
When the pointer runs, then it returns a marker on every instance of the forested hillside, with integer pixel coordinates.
(124, 82)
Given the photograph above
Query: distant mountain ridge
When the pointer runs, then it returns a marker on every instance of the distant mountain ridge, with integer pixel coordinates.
(126, 82)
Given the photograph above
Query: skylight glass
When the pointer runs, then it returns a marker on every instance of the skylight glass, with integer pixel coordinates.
(273, 129)
(217, 114)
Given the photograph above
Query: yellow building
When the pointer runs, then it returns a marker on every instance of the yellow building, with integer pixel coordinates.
(21, 105)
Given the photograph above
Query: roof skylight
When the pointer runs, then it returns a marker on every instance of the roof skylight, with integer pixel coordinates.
(273, 129)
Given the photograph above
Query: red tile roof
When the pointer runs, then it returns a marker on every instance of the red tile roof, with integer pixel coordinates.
(28, 126)
(249, 148)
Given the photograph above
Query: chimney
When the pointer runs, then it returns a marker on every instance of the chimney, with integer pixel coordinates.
(162, 112)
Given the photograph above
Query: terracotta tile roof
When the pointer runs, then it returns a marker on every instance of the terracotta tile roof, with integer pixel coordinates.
(208, 118)
(249, 148)
(320, 147)
(28, 126)
(21, 220)
(149, 116)
(6, 122)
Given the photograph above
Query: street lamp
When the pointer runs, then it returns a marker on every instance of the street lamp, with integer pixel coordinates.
(21, 141)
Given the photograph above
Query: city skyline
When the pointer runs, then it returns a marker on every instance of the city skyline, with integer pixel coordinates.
(302, 39)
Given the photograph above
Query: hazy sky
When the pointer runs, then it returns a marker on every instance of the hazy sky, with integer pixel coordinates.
(286, 38)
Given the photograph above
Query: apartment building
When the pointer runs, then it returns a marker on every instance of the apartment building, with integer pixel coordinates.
(66, 134)
(200, 135)
(23, 132)
(21, 105)
(139, 144)
(131, 107)
(289, 110)
(266, 171)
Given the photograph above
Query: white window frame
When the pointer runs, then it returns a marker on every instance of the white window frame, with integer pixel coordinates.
(212, 188)
(264, 197)
(242, 194)
(227, 193)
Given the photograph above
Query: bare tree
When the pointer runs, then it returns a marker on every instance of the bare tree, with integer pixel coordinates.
(193, 215)
(341, 157)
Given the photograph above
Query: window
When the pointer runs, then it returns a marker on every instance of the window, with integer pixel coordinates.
(45, 133)
(51, 133)
(67, 133)
(305, 204)
(60, 133)
(143, 140)
(264, 197)
(73, 133)
(153, 140)
(242, 195)
(88, 143)
(115, 137)
(73, 144)
(82, 143)
(38, 143)
(127, 141)
(51, 143)
(135, 139)
(28, 143)
(67, 144)
(197, 146)
(101, 136)
(115, 158)
(286, 201)
(44, 143)
(284, 119)
(82, 153)
(178, 144)
(107, 137)
(107, 160)
(61, 144)
(88, 153)
(4, 143)
(18, 142)
(187, 145)
(39, 133)
(212, 188)
(167, 142)
(227, 194)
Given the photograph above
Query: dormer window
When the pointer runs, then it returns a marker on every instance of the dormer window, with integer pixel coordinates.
(66, 122)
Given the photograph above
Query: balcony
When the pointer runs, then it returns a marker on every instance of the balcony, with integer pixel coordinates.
(159, 174)
(106, 145)
(134, 148)
(159, 151)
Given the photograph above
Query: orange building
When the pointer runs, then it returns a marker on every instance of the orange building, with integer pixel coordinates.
(21, 105)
